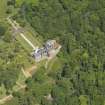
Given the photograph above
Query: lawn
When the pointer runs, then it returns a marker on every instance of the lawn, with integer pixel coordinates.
(32, 36)
(24, 44)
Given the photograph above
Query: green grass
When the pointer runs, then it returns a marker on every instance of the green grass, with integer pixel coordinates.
(34, 34)
(2, 91)
(19, 2)
(3, 8)
(31, 38)
(24, 44)
(54, 65)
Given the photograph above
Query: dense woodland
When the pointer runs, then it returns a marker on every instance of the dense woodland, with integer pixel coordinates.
(79, 26)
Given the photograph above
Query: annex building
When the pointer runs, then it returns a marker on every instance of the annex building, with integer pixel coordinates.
(49, 49)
